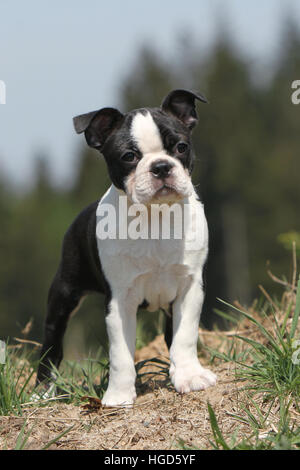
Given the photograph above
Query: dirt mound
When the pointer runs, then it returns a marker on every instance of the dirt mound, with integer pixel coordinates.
(159, 419)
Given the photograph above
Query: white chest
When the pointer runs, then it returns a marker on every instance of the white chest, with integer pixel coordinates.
(155, 270)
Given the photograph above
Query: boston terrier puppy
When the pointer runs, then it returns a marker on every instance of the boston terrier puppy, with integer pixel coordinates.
(150, 159)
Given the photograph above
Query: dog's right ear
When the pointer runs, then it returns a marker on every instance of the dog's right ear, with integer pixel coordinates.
(97, 125)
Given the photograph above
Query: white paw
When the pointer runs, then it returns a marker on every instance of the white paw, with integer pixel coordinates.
(44, 394)
(123, 398)
(195, 377)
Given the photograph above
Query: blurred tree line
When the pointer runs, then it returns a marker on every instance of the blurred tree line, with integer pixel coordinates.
(247, 173)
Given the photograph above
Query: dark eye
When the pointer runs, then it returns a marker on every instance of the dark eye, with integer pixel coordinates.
(182, 147)
(129, 157)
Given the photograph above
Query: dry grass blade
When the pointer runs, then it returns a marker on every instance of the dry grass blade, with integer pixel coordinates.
(28, 341)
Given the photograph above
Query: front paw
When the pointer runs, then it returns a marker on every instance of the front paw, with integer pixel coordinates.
(124, 398)
(192, 378)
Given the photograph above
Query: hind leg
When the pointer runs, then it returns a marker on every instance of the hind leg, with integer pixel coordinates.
(63, 299)
(168, 327)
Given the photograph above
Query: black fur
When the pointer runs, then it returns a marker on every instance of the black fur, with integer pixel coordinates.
(78, 274)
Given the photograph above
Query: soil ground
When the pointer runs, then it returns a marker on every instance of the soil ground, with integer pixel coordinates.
(160, 419)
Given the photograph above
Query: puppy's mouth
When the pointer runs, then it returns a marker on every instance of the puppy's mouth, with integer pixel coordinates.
(167, 190)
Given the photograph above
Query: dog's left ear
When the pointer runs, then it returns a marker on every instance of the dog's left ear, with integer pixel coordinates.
(181, 103)
(97, 125)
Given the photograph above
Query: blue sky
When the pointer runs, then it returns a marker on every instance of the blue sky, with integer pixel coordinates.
(61, 58)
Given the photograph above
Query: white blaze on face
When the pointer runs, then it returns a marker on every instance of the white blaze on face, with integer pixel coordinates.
(142, 185)
(146, 134)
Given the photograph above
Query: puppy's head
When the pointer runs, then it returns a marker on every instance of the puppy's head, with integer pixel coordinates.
(148, 151)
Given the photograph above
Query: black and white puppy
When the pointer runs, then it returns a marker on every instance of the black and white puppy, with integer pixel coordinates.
(150, 159)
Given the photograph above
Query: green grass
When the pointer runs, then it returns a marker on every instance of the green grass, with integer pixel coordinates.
(74, 380)
(15, 376)
(78, 379)
(272, 371)
(287, 437)
(268, 364)
(273, 367)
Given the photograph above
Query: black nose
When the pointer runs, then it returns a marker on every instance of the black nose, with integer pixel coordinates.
(161, 169)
